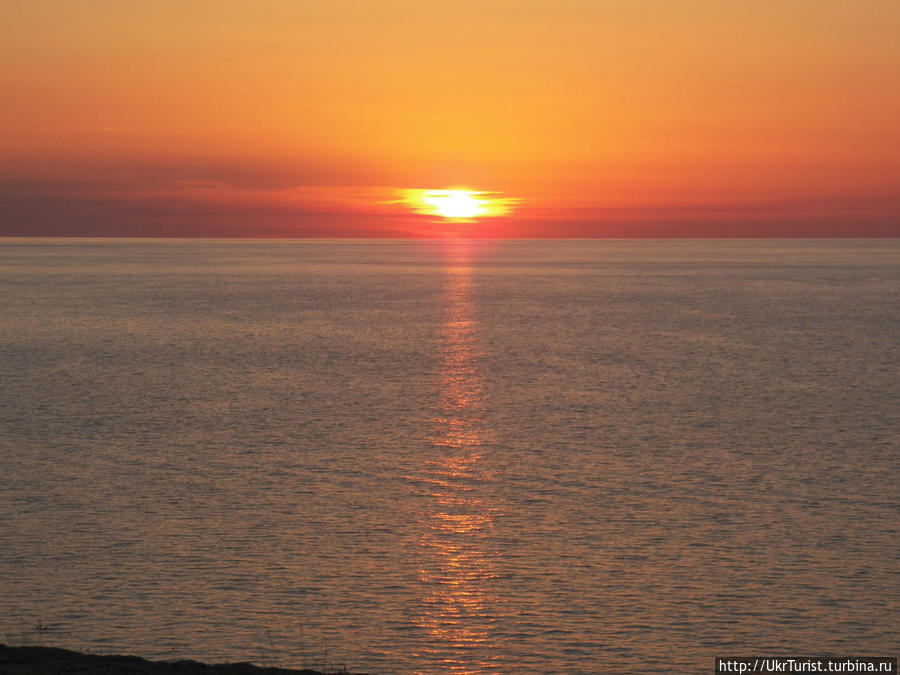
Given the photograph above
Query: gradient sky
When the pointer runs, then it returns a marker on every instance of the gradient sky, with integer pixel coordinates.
(306, 117)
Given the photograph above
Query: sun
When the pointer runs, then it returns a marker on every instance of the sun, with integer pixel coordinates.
(457, 204)
(454, 203)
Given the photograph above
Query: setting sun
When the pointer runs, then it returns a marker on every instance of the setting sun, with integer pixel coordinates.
(454, 203)
(457, 204)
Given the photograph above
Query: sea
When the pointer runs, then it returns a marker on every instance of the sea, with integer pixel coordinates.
(449, 455)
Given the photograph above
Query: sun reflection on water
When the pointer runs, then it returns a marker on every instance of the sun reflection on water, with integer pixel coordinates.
(457, 604)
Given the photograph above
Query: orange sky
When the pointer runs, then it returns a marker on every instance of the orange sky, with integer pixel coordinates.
(304, 117)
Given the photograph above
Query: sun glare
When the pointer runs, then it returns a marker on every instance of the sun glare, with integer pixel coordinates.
(454, 203)
(457, 204)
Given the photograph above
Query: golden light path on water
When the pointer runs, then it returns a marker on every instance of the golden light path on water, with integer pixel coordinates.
(457, 567)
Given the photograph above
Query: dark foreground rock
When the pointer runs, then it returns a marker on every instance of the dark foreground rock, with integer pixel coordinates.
(52, 661)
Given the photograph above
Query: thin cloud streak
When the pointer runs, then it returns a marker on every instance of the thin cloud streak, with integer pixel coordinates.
(197, 207)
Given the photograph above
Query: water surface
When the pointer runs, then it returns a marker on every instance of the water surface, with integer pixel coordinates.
(432, 457)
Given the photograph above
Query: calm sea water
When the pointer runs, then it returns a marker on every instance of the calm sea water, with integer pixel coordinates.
(451, 456)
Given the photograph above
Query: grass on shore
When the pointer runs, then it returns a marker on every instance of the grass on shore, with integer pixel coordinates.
(33, 660)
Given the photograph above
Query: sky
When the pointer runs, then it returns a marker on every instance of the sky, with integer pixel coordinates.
(584, 118)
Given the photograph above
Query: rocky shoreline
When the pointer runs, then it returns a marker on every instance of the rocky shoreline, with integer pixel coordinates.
(53, 661)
